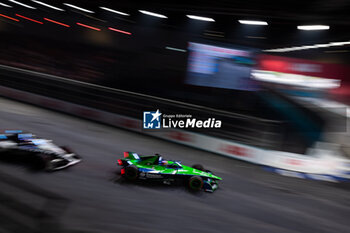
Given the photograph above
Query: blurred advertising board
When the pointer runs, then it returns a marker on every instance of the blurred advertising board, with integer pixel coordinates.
(220, 67)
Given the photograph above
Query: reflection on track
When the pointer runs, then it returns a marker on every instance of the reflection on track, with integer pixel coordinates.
(248, 199)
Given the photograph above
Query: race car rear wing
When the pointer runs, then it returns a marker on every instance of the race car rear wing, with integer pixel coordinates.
(128, 156)
(131, 155)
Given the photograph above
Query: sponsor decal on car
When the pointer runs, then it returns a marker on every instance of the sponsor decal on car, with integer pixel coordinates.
(150, 175)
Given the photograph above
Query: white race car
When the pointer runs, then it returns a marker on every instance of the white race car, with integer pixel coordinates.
(17, 146)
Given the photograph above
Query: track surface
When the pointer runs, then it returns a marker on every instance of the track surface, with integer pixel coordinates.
(248, 200)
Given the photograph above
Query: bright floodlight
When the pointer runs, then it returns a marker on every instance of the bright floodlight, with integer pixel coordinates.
(114, 11)
(5, 5)
(21, 4)
(152, 14)
(47, 5)
(176, 49)
(339, 43)
(313, 27)
(78, 8)
(200, 18)
(252, 22)
(307, 47)
(321, 45)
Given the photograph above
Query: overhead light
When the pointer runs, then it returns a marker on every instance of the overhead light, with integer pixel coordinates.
(252, 22)
(22, 4)
(88, 26)
(287, 49)
(201, 18)
(78, 8)
(336, 44)
(47, 5)
(296, 48)
(280, 50)
(8, 17)
(120, 31)
(330, 44)
(321, 45)
(307, 47)
(5, 5)
(313, 27)
(176, 49)
(152, 14)
(56, 22)
(30, 19)
(339, 43)
(114, 11)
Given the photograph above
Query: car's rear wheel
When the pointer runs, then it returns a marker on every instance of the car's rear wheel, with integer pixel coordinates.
(131, 173)
(195, 183)
(37, 162)
(198, 167)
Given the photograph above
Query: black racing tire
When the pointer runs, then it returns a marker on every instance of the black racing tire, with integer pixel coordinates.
(198, 167)
(38, 162)
(131, 173)
(195, 183)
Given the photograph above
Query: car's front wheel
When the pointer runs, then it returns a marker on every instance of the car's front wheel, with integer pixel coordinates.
(195, 183)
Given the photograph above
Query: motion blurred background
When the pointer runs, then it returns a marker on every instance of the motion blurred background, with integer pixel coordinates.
(275, 84)
(244, 58)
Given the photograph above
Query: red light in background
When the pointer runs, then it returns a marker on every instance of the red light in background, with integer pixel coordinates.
(8, 17)
(56, 22)
(33, 20)
(90, 27)
(122, 171)
(274, 65)
(120, 31)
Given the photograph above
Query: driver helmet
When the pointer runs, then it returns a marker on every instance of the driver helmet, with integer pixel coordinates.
(161, 161)
(164, 162)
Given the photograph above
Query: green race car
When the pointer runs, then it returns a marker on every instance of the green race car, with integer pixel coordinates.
(155, 168)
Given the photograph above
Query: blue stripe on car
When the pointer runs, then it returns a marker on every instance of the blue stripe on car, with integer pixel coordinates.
(145, 169)
(13, 131)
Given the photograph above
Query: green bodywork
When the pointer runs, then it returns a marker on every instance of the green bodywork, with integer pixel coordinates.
(150, 163)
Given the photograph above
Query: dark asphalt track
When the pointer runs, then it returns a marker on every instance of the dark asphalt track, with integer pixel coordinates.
(248, 200)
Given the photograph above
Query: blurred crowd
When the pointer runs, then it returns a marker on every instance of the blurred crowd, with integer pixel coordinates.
(74, 62)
